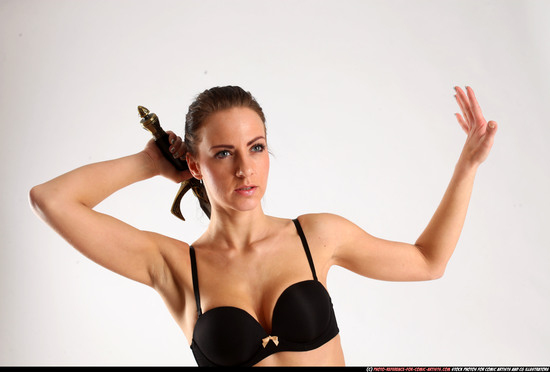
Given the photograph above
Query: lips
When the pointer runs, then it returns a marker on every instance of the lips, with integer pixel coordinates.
(246, 190)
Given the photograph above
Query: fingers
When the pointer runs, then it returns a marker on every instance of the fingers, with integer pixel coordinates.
(177, 146)
(462, 123)
(474, 105)
(470, 109)
(464, 104)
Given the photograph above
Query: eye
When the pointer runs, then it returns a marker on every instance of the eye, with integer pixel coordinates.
(258, 147)
(222, 154)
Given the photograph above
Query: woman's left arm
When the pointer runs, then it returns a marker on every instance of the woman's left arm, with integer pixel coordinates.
(440, 237)
(428, 257)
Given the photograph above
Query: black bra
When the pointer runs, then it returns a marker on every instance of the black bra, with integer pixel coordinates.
(303, 319)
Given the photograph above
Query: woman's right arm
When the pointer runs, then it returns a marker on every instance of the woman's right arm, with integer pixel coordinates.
(66, 204)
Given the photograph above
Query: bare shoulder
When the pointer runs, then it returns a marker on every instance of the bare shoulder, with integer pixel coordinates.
(325, 226)
(323, 232)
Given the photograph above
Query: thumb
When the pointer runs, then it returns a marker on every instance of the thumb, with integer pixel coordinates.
(490, 133)
(492, 127)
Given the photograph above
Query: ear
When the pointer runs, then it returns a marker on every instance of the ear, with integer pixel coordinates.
(194, 166)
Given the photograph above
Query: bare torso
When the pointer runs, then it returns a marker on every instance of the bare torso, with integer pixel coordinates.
(251, 279)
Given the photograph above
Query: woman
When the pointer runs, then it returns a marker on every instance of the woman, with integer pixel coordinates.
(251, 289)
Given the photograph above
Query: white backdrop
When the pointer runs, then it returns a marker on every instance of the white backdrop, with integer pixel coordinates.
(359, 103)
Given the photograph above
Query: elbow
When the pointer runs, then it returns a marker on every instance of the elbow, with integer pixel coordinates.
(432, 267)
(436, 272)
(35, 198)
(38, 199)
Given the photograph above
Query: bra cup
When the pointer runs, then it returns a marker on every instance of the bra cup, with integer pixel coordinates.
(228, 335)
(302, 313)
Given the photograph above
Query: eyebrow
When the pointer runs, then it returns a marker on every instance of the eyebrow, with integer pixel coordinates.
(232, 147)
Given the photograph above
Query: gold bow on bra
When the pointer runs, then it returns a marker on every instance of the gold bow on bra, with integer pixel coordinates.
(275, 340)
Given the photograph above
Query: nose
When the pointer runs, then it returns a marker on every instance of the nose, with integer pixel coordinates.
(244, 168)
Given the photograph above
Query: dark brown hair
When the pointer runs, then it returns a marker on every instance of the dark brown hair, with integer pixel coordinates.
(205, 104)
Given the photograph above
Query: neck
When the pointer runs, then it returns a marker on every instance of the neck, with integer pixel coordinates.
(237, 230)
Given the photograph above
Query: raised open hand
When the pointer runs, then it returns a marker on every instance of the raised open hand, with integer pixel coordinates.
(481, 134)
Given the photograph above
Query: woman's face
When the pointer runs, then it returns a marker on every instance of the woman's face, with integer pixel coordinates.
(232, 159)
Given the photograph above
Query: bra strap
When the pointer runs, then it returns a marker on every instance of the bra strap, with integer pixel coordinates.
(306, 246)
(195, 279)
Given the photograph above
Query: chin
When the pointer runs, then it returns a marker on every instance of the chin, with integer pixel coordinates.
(246, 205)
